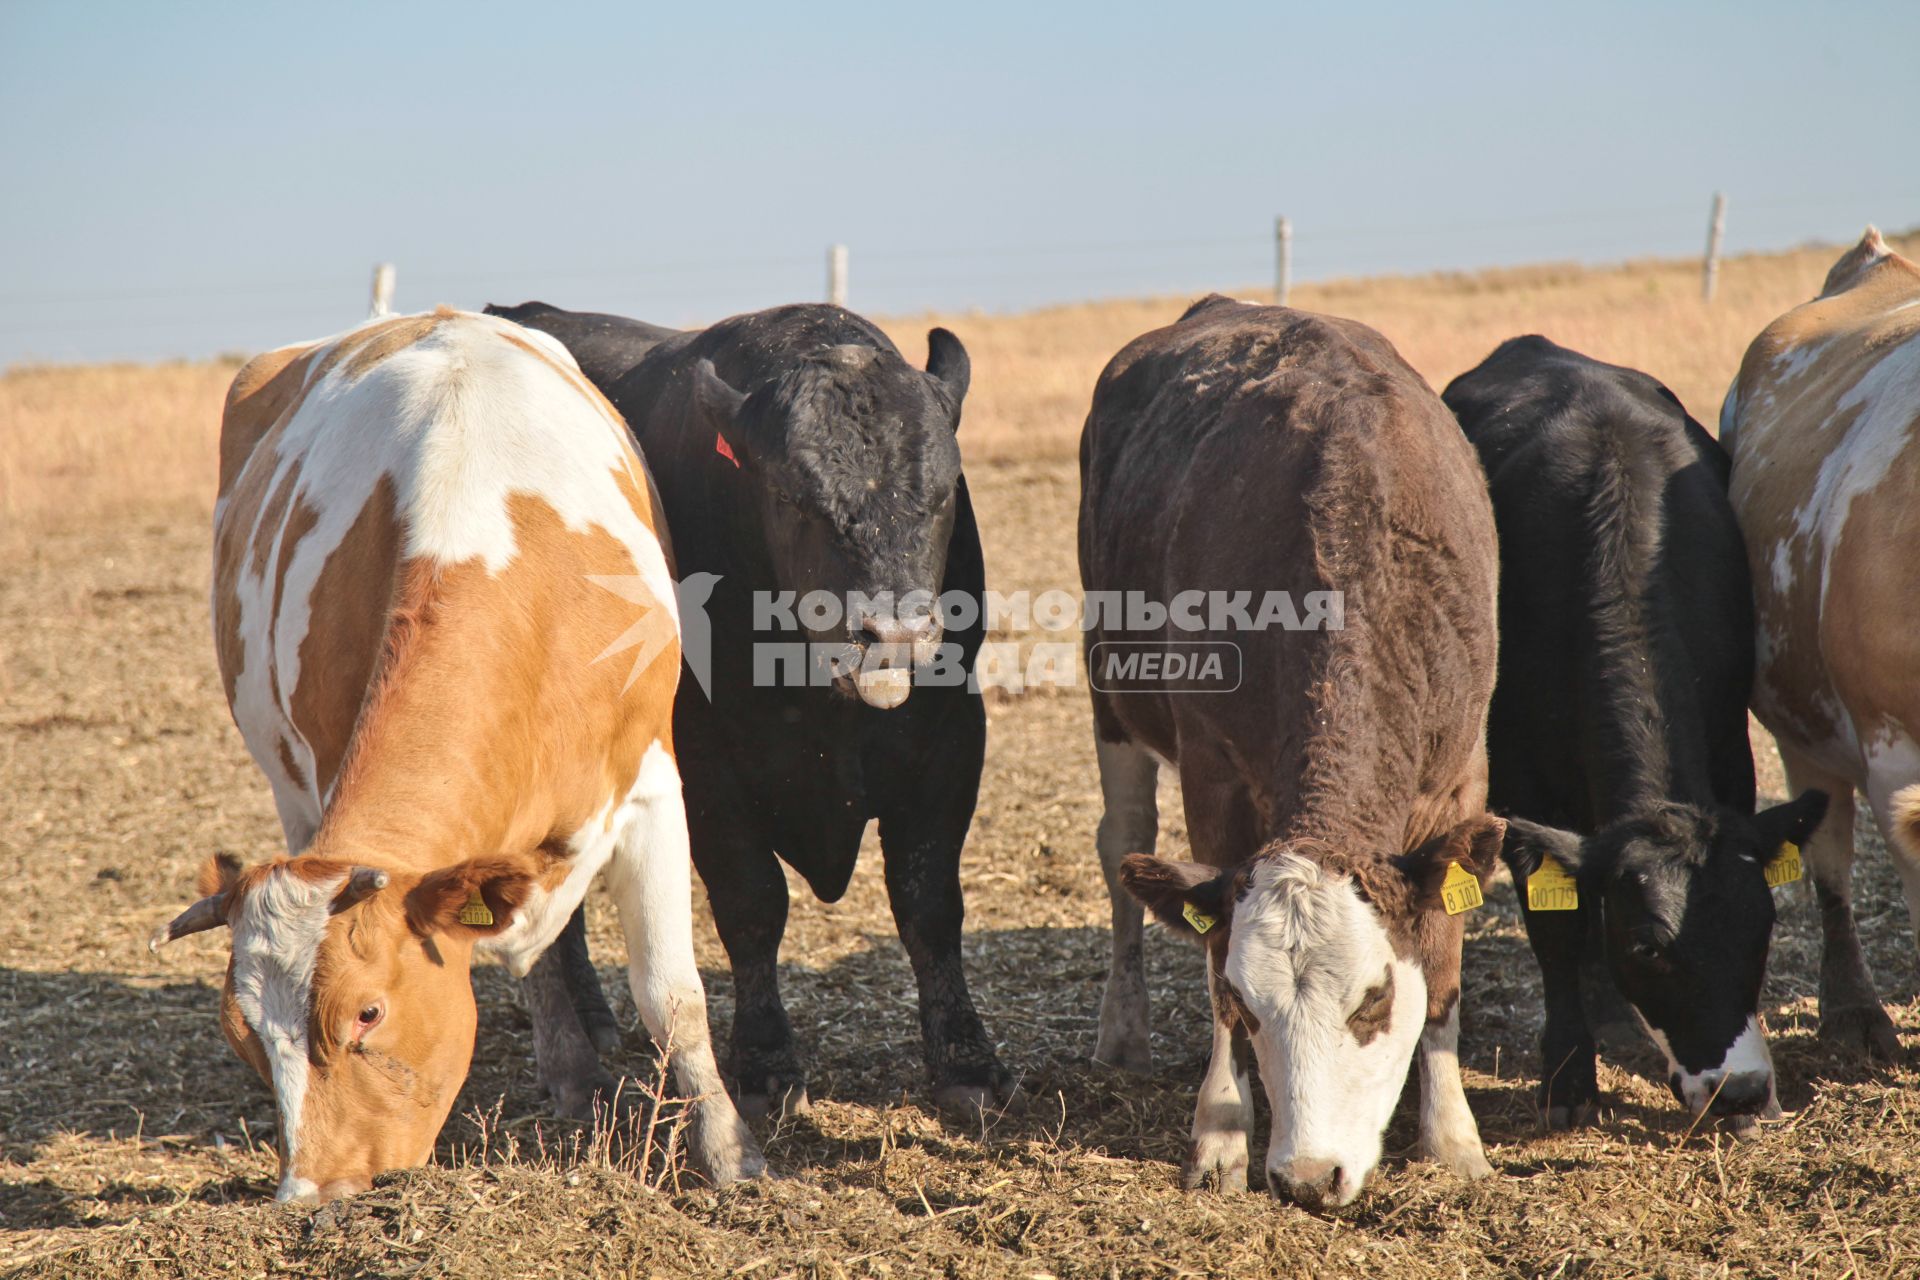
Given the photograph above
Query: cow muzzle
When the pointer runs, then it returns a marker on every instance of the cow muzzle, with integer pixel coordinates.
(1314, 1184)
(884, 654)
(1739, 1093)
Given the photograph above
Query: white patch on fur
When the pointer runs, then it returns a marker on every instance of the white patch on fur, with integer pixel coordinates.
(1747, 1055)
(651, 880)
(276, 938)
(1304, 951)
(461, 420)
(1793, 361)
(1782, 568)
(1885, 397)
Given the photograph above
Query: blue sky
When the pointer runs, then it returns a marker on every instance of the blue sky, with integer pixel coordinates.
(185, 178)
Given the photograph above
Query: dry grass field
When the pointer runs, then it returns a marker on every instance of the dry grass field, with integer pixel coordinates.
(133, 1144)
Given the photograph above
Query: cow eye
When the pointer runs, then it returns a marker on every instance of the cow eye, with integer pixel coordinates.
(1649, 952)
(369, 1016)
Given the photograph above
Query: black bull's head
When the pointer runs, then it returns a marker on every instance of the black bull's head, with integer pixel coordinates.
(853, 469)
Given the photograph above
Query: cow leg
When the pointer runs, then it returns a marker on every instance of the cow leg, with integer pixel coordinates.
(1129, 823)
(569, 1067)
(1224, 830)
(1850, 1010)
(748, 893)
(1569, 1079)
(1889, 775)
(583, 984)
(1448, 1133)
(922, 851)
(651, 878)
(1223, 1116)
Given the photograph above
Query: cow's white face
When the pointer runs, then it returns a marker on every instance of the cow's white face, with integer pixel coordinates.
(1334, 1015)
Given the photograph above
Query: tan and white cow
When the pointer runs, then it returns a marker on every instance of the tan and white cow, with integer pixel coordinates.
(1822, 423)
(430, 533)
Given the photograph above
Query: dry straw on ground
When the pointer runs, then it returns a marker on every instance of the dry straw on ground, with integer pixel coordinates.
(133, 1144)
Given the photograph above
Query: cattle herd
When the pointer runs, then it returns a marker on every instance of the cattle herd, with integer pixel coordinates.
(491, 607)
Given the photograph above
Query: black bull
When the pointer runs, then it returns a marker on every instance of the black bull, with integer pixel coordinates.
(795, 451)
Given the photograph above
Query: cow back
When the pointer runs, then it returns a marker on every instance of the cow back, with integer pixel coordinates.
(1250, 448)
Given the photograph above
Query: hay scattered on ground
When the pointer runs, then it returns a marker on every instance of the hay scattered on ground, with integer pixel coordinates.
(133, 1144)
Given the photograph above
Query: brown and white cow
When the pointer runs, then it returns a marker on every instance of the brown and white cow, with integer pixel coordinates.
(1823, 421)
(430, 532)
(1335, 776)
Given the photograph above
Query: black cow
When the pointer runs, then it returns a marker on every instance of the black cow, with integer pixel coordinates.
(1626, 654)
(795, 451)
(605, 347)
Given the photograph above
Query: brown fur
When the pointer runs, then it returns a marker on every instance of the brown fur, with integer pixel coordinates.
(466, 733)
(1843, 644)
(1354, 745)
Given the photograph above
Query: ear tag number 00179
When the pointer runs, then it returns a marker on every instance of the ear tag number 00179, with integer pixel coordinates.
(1199, 919)
(1460, 891)
(1550, 888)
(1785, 867)
(476, 911)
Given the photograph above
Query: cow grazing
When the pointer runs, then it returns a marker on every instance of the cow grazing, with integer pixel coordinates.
(1333, 794)
(797, 453)
(1626, 656)
(1822, 421)
(416, 528)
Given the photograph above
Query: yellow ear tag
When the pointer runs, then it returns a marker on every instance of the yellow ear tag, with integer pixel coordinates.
(476, 911)
(1199, 919)
(1785, 867)
(1550, 888)
(1460, 891)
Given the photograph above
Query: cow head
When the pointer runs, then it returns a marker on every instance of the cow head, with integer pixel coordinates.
(348, 991)
(1332, 965)
(1687, 919)
(854, 468)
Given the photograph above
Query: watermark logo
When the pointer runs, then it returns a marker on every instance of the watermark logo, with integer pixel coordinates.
(1189, 644)
(1174, 666)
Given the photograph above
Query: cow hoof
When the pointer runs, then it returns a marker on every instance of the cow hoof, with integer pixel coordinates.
(1576, 1115)
(597, 1100)
(722, 1149)
(973, 1102)
(1862, 1029)
(1466, 1161)
(1216, 1161)
(783, 1100)
(1126, 1055)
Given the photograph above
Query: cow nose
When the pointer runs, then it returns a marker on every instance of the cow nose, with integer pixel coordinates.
(1743, 1093)
(1314, 1183)
(912, 628)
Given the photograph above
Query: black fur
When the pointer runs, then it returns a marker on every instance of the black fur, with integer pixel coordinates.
(848, 479)
(1626, 657)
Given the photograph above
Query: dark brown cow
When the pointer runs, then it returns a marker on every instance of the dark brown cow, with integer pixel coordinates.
(1334, 783)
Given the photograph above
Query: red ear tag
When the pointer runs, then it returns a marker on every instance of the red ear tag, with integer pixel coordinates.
(725, 450)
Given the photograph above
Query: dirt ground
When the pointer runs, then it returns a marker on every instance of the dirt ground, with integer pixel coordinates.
(132, 1142)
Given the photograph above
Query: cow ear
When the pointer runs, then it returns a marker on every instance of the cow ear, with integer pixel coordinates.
(1473, 844)
(478, 897)
(719, 405)
(219, 874)
(947, 364)
(1186, 897)
(1794, 822)
(1528, 844)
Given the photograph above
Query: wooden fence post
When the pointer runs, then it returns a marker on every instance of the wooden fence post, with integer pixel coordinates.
(1716, 231)
(382, 291)
(837, 275)
(1283, 259)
